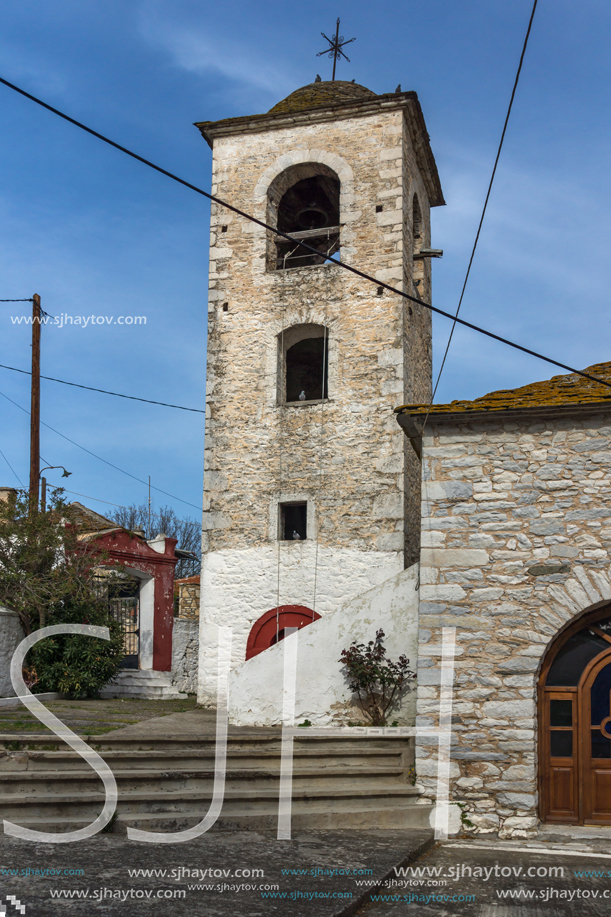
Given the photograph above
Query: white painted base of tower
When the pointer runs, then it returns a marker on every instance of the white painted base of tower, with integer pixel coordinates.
(322, 693)
(238, 586)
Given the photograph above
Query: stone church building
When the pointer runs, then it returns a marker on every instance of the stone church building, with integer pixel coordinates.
(516, 534)
(318, 506)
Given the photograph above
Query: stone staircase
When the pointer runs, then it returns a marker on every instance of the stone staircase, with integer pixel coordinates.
(165, 784)
(144, 683)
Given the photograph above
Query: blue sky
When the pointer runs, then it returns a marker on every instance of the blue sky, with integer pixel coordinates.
(96, 233)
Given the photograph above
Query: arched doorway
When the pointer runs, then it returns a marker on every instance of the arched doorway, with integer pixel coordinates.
(575, 723)
(271, 626)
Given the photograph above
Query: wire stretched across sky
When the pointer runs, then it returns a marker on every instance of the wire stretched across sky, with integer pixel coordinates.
(103, 391)
(485, 207)
(342, 264)
(106, 462)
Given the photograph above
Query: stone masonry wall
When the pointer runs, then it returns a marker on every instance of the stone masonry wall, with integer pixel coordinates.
(499, 498)
(185, 650)
(188, 600)
(11, 635)
(252, 442)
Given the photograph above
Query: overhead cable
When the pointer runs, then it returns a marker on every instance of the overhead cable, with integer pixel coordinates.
(481, 221)
(11, 467)
(90, 388)
(99, 457)
(277, 232)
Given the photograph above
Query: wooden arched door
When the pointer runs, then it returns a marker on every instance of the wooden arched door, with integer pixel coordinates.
(575, 724)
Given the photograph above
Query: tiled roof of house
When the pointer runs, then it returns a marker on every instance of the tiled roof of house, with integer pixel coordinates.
(90, 521)
(559, 391)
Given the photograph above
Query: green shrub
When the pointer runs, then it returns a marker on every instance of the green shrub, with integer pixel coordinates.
(76, 665)
(377, 681)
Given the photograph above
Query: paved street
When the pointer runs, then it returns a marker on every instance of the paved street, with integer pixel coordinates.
(483, 878)
(331, 868)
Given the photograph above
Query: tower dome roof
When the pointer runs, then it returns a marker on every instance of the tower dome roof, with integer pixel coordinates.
(323, 92)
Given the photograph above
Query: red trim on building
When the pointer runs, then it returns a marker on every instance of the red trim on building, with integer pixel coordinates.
(128, 550)
(264, 630)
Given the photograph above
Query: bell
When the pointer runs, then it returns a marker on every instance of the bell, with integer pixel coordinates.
(312, 217)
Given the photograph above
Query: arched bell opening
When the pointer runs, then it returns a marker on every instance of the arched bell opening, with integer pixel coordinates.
(304, 202)
(575, 723)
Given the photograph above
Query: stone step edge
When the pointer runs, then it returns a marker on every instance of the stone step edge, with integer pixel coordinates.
(170, 753)
(399, 789)
(155, 774)
(125, 818)
(186, 739)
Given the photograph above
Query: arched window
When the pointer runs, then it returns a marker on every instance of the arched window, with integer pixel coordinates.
(418, 243)
(271, 626)
(304, 363)
(304, 201)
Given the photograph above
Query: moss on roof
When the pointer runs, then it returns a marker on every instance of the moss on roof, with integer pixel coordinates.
(316, 95)
(555, 392)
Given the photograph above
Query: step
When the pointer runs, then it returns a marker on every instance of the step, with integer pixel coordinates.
(164, 783)
(245, 803)
(317, 817)
(145, 683)
(36, 784)
(35, 761)
(269, 739)
(144, 691)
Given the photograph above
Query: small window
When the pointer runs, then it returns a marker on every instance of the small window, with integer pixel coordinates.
(293, 521)
(418, 243)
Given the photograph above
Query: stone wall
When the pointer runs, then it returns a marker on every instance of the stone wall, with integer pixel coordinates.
(11, 635)
(500, 498)
(185, 650)
(188, 599)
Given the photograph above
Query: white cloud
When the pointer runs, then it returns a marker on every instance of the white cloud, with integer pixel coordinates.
(202, 51)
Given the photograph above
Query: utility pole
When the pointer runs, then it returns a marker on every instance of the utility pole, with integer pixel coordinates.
(149, 534)
(35, 405)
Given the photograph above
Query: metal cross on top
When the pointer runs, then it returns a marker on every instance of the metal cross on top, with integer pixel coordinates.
(336, 45)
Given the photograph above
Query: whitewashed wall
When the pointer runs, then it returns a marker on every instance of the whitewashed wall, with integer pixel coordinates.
(238, 586)
(322, 695)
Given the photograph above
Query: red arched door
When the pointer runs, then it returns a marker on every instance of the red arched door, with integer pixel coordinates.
(271, 626)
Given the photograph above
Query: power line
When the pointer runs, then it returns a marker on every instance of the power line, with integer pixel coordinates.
(90, 388)
(479, 228)
(106, 462)
(11, 467)
(110, 503)
(16, 300)
(277, 232)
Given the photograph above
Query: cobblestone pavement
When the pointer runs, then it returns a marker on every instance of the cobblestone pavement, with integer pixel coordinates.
(221, 874)
(92, 717)
(551, 876)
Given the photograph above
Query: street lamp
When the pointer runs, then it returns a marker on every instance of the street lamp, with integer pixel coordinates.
(43, 492)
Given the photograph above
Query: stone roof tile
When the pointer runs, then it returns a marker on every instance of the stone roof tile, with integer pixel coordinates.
(558, 391)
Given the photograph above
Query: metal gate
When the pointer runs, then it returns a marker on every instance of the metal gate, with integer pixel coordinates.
(126, 610)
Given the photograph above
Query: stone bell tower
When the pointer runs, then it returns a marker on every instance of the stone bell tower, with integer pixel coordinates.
(310, 494)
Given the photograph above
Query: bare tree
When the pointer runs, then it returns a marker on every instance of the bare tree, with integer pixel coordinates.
(186, 531)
